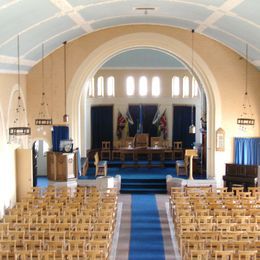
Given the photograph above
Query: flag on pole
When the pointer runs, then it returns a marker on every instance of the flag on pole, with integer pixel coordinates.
(129, 120)
(140, 125)
(163, 125)
(156, 117)
(156, 121)
(121, 122)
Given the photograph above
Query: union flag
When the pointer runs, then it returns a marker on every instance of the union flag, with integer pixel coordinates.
(121, 121)
(163, 125)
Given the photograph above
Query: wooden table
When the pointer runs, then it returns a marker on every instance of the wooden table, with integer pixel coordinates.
(136, 152)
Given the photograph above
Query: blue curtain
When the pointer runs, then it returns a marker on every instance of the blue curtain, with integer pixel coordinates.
(181, 122)
(149, 112)
(101, 125)
(143, 115)
(247, 151)
(134, 111)
(59, 133)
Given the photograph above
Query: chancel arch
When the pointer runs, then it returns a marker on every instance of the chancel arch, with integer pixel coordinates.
(164, 43)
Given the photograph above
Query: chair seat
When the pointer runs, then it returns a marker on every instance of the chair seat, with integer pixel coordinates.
(101, 166)
(102, 163)
(181, 167)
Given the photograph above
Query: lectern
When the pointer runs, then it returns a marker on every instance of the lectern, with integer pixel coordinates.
(190, 153)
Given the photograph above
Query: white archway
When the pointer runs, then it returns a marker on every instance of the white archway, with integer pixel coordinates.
(151, 40)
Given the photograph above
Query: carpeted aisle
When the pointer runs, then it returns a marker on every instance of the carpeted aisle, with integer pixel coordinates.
(146, 240)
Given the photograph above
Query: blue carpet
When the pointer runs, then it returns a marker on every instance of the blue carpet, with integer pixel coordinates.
(133, 173)
(42, 181)
(146, 235)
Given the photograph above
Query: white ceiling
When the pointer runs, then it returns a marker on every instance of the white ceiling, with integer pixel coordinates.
(232, 22)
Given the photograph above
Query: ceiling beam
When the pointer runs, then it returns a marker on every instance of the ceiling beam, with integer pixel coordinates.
(67, 9)
(218, 13)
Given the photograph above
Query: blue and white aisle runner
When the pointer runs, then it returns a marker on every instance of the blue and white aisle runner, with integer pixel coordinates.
(146, 234)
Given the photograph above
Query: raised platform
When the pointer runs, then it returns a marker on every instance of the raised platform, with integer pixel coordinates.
(137, 180)
(137, 164)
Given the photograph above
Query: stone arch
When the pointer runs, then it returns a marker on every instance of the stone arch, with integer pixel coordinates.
(172, 46)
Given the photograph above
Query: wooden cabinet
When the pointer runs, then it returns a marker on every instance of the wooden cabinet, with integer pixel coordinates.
(24, 172)
(61, 166)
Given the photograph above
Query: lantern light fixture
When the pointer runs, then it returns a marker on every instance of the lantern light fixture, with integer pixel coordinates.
(17, 129)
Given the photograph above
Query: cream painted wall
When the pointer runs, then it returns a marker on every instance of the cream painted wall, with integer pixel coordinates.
(8, 103)
(218, 67)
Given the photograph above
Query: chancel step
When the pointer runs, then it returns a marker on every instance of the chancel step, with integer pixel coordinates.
(143, 186)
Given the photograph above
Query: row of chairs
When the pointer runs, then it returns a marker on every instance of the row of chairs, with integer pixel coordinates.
(60, 223)
(216, 224)
(51, 254)
(171, 152)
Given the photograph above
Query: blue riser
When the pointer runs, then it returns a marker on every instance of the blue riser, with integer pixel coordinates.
(161, 181)
(143, 186)
(143, 191)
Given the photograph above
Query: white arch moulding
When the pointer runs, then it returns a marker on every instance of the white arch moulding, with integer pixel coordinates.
(161, 42)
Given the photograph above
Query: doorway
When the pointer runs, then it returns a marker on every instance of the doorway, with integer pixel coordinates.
(39, 153)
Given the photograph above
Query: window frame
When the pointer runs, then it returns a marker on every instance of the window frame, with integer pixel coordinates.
(156, 86)
(112, 78)
(140, 86)
(174, 78)
(127, 86)
(100, 88)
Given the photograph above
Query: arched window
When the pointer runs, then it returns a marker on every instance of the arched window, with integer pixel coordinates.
(186, 87)
(130, 86)
(91, 87)
(100, 86)
(111, 86)
(194, 87)
(143, 88)
(156, 86)
(175, 86)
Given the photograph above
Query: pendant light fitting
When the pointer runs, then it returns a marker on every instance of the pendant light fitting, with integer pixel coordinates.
(43, 119)
(18, 130)
(246, 118)
(192, 128)
(65, 116)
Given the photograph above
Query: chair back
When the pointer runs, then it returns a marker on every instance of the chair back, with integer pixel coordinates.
(156, 141)
(105, 145)
(96, 158)
(177, 145)
(129, 141)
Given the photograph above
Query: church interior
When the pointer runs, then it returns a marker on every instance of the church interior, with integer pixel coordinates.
(129, 129)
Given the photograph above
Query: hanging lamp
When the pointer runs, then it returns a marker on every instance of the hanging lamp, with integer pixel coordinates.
(43, 116)
(192, 128)
(246, 118)
(65, 116)
(17, 129)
